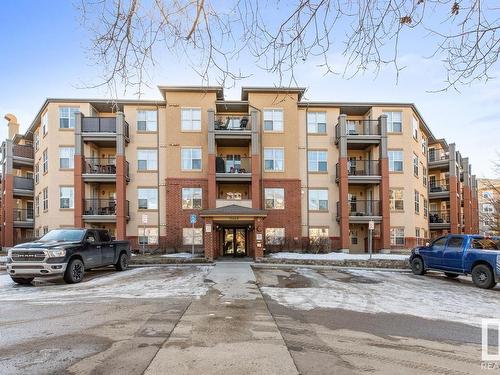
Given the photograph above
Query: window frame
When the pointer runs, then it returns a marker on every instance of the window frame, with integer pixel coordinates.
(274, 159)
(417, 202)
(390, 121)
(45, 199)
(312, 199)
(415, 162)
(45, 123)
(191, 119)
(273, 120)
(71, 116)
(70, 158)
(394, 231)
(146, 121)
(70, 198)
(45, 161)
(148, 207)
(154, 162)
(275, 240)
(197, 233)
(190, 194)
(270, 194)
(393, 160)
(393, 199)
(191, 159)
(317, 161)
(313, 123)
(144, 232)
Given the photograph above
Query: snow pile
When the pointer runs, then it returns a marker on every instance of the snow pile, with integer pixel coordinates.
(391, 292)
(3, 259)
(179, 255)
(338, 256)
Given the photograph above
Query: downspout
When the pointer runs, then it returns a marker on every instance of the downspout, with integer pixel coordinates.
(261, 157)
(158, 169)
(307, 173)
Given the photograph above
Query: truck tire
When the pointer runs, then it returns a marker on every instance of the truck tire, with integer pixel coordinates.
(74, 272)
(122, 263)
(451, 275)
(482, 277)
(22, 280)
(417, 266)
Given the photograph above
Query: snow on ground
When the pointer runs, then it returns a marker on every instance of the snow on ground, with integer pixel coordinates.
(3, 259)
(178, 255)
(392, 292)
(162, 282)
(338, 256)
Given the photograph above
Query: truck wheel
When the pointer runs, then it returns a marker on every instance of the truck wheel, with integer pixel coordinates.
(122, 263)
(417, 266)
(451, 275)
(74, 272)
(482, 277)
(22, 280)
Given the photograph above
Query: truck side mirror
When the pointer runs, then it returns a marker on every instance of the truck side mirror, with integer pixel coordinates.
(427, 244)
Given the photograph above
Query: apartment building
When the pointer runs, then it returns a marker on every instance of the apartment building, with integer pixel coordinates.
(269, 171)
(489, 206)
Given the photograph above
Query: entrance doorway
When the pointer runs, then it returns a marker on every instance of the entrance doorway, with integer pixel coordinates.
(234, 242)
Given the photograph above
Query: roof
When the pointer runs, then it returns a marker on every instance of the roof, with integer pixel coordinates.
(271, 89)
(233, 210)
(219, 90)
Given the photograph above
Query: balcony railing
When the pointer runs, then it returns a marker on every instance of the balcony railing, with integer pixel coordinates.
(24, 214)
(233, 123)
(102, 125)
(437, 186)
(23, 151)
(23, 183)
(363, 127)
(361, 168)
(439, 217)
(99, 207)
(233, 164)
(362, 208)
(100, 165)
(438, 155)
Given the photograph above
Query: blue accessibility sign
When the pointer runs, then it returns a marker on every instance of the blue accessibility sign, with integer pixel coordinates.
(192, 219)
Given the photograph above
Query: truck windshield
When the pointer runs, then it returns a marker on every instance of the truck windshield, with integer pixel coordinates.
(63, 235)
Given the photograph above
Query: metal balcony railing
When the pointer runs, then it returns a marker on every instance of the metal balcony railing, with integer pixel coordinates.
(24, 214)
(437, 186)
(100, 165)
(23, 151)
(233, 164)
(102, 125)
(365, 208)
(99, 207)
(438, 155)
(234, 123)
(23, 183)
(439, 217)
(361, 168)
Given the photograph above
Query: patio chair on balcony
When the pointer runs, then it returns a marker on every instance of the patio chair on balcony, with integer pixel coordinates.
(243, 123)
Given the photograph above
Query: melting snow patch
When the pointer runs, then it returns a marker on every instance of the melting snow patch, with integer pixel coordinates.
(338, 256)
(179, 255)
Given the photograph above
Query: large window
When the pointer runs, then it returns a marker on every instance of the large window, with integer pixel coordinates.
(426, 208)
(318, 200)
(148, 198)
(275, 198)
(317, 161)
(394, 122)
(45, 192)
(67, 117)
(147, 160)
(191, 198)
(316, 122)
(66, 197)
(273, 120)
(395, 160)
(191, 119)
(66, 157)
(275, 236)
(191, 159)
(147, 236)
(417, 202)
(147, 121)
(424, 175)
(45, 123)
(45, 161)
(274, 159)
(315, 233)
(37, 173)
(37, 205)
(397, 236)
(414, 126)
(396, 200)
(36, 139)
(415, 165)
(192, 236)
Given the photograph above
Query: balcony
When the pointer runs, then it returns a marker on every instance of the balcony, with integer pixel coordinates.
(101, 210)
(228, 202)
(102, 130)
(439, 219)
(22, 155)
(360, 133)
(362, 211)
(24, 218)
(438, 159)
(23, 186)
(361, 172)
(439, 189)
(102, 170)
(232, 130)
(233, 169)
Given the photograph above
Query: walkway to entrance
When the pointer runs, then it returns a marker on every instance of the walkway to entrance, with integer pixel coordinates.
(227, 331)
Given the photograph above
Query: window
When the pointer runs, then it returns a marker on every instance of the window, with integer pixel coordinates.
(316, 122)
(415, 165)
(191, 119)
(395, 160)
(45, 123)
(191, 198)
(426, 208)
(424, 175)
(394, 122)
(45, 161)
(414, 126)
(317, 161)
(318, 200)
(45, 230)
(37, 205)
(424, 146)
(273, 120)
(66, 157)
(147, 160)
(191, 159)
(396, 201)
(274, 159)
(66, 197)
(488, 195)
(146, 121)
(37, 173)
(148, 236)
(45, 199)
(397, 236)
(36, 138)
(456, 242)
(275, 236)
(275, 198)
(192, 236)
(315, 233)
(417, 232)
(417, 202)
(148, 198)
(488, 208)
(67, 117)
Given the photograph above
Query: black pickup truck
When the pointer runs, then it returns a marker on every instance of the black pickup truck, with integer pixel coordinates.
(67, 253)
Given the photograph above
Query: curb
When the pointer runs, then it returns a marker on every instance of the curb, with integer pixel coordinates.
(327, 267)
(153, 265)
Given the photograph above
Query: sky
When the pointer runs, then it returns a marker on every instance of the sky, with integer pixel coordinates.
(44, 53)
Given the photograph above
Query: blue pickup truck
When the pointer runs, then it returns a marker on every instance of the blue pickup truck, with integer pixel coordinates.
(457, 254)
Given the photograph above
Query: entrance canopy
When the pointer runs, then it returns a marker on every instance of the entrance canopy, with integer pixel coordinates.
(233, 212)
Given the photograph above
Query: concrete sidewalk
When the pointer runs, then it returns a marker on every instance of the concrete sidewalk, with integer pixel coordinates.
(227, 331)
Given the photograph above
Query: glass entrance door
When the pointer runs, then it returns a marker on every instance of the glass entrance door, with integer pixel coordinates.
(235, 242)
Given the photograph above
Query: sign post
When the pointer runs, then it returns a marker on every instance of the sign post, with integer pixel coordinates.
(371, 227)
(144, 222)
(192, 219)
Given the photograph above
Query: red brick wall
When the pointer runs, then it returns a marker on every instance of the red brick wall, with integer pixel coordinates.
(177, 218)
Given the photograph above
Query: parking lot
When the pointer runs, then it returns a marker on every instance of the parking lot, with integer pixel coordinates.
(230, 318)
